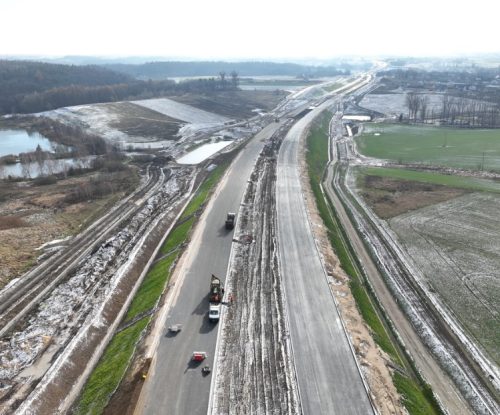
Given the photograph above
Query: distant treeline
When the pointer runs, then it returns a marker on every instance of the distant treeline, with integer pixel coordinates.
(163, 70)
(473, 83)
(27, 87)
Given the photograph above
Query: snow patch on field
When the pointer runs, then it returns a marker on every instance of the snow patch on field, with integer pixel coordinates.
(395, 104)
(455, 244)
(97, 118)
(182, 112)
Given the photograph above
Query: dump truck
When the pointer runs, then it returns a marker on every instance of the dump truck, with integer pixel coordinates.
(216, 290)
(230, 219)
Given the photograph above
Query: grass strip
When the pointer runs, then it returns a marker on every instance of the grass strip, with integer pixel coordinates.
(152, 287)
(317, 159)
(204, 190)
(111, 367)
(417, 396)
(461, 182)
(417, 400)
(177, 236)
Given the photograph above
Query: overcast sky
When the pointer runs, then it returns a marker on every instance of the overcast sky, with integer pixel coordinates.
(212, 29)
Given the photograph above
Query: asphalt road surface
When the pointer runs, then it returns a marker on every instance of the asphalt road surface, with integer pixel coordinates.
(328, 377)
(175, 385)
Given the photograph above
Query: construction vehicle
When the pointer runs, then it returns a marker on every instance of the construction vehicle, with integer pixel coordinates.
(216, 290)
(214, 312)
(230, 219)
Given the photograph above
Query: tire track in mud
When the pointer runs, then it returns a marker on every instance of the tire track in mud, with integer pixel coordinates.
(255, 370)
(73, 305)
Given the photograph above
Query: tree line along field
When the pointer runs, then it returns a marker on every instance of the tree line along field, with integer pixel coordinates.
(450, 147)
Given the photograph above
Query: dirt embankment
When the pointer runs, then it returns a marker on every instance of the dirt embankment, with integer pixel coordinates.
(234, 104)
(391, 197)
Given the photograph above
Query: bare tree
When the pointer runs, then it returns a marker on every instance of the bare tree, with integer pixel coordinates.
(26, 165)
(413, 104)
(40, 159)
(222, 76)
(424, 103)
(234, 80)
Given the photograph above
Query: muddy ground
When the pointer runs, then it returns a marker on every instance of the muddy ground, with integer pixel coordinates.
(137, 121)
(234, 104)
(255, 372)
(392, 197)
(31, 216)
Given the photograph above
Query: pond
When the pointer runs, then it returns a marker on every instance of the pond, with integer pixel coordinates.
(49, 167)
(20, 141)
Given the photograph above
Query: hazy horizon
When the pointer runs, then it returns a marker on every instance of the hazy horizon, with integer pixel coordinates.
(260, 30)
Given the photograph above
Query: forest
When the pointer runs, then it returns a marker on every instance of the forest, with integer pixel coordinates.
(29, 87)
(163, 70)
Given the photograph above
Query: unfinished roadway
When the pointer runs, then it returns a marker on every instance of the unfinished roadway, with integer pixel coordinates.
(174, 385)
(328, 376)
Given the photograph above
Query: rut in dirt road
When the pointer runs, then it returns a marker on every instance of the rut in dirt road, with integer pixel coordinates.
(255, 371)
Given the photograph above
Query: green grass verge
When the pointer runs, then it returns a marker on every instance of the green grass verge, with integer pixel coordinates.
(317, 159)
(417, 398)
(433, 145)
(177, 236)
(110, 370)
(152, 287)
(461, 182)
(204, 190)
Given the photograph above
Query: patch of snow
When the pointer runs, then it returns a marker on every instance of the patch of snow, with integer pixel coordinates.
(202, 153)
(182, 112)
(53, 242)
(357, 117)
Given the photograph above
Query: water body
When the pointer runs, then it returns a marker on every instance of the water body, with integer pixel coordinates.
(257, 87)
(32, 170)
(19, 141)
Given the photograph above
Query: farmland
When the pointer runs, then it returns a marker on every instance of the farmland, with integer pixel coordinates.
(460, 182)
(465, 148)
(452, 243)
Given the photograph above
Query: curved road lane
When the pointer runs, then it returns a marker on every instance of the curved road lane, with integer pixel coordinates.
(328, 376)
(174, 385)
